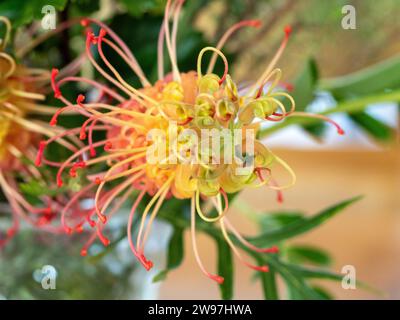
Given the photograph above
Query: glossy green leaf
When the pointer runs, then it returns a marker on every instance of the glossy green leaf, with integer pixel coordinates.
(301, 226)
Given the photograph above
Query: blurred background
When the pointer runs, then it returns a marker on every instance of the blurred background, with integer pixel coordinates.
(328, 66)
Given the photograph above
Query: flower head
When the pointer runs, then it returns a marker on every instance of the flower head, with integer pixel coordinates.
(189, 135)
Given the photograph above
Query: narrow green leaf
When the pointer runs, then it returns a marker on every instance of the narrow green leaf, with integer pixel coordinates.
(292, 293)
(316, 130)
(268, 281)
(377, 129)
(304, 93)
(374, 79)
(314, 273)
(225, 269)
(275, 220)
(161, 276)
(323, 292)
(175, 249)
(36, 188)
(304, 85)
(348, 106)
(308, 254)
(175, 253)
(302, 226)
(296, 283)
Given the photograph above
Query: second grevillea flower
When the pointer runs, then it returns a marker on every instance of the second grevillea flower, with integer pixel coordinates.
(193, 101)
(21, 104)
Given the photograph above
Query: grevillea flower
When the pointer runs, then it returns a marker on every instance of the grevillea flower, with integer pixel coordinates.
(20, 95)
(180, 101)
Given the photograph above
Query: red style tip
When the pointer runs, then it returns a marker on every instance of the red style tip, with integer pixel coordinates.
(261, 268)
(91, 37)
(68, 230)
(83, 252)
(220, 82)
(80, 164)
(57, 92)
(108, 146)
(84, 22)
(288, 30)
(103, 218)
(72, 173)
(75, 166)
(105, 241)
(341, 131)
(274, 249)
(11, 232)
(279, 196)
(289, 87)
(97, 181)
(218, 279)
(59, 182)
(255, 23)
(188, 119)
(102, 33)
(80, 99)
(147, 264)
(42, 146)
(54, 72)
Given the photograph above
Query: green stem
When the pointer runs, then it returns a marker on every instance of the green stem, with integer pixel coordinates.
(350, 106)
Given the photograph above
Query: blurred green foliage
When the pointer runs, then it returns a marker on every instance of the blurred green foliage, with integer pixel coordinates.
(23, 258)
